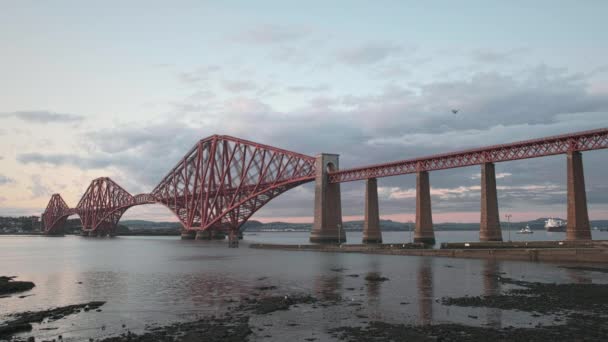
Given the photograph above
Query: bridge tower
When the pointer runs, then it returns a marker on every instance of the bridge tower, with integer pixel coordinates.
(327, 226)
(578, 227)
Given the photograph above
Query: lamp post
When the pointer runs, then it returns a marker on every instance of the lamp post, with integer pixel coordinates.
(508, 216)
(409, 225)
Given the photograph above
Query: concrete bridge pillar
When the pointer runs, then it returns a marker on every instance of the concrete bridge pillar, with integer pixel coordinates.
(203, 235)
(188, 234)
(489, 228)
(578, 219)
(424, 216)
(371, 225)
(327, 226)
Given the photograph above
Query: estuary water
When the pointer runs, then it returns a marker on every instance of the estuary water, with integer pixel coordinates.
(149, 281)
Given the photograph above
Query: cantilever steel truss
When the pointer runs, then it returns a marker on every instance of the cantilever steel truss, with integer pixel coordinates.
(219, 184)
(582, 141)
(222, 180)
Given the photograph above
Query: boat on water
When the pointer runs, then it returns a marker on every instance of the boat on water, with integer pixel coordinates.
(525, 230)
(555, 225)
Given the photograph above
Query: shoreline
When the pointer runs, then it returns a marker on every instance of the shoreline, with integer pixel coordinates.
(596, 252)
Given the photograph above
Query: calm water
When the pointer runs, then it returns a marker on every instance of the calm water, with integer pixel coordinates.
(156, 280)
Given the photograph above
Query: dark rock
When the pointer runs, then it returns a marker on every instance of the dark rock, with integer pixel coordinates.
(21, 321)
(266, 288)
(375, 277)
(8, 285)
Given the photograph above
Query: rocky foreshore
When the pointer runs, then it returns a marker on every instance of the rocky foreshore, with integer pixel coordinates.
(565, 312)
(22, 321)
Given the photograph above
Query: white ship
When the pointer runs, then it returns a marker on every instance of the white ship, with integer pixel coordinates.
(525, 230)
(555, 225)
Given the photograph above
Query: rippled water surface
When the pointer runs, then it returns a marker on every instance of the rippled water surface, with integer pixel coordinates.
(155, 280)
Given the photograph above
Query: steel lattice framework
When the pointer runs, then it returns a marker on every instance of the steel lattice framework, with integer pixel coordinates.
(57, 211)
(218, 185)
(103, 204)
(223, 180)
(582, 141)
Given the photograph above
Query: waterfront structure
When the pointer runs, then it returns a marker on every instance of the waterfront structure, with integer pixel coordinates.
(223, 180)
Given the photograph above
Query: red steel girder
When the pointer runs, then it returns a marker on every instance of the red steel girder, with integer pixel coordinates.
(55, 215)
(103, 204)
(581, 141)
(223, 180)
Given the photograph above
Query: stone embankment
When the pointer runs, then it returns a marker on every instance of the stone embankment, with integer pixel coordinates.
(544, 251)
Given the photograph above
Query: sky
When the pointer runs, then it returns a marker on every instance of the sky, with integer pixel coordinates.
(125, 89)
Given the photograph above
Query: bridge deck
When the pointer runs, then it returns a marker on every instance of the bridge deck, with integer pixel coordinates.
(580, 141)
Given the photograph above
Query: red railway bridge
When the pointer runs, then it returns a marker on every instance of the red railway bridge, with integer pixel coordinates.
(222, 181)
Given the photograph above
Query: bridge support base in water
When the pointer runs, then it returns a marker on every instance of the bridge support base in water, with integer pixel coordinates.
(489, 228)
(233, 239)
(188, 234)
(210, 234)
(424, 215)
(327, 226)
(578, 227)
(371, 225)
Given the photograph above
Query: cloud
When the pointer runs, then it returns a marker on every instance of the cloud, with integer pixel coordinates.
(238, 86)
(41, 116)
(490, 56)
(37, 188)
(57, 159)
(498, 175)
(4, 180)
(308, 89)
(3, 199)
(369, 53)
(198, 75)
(393, 123)
(271, 34)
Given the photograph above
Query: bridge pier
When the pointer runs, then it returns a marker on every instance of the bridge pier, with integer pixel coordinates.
(203, 235)
(424, 216)
(327, 226)
(188, 234)
(371, 225)
(210, 234)
(489, 228)
(233, 238)
(578, 218)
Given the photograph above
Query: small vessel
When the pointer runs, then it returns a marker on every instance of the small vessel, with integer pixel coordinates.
(555, 225)
(525, 230)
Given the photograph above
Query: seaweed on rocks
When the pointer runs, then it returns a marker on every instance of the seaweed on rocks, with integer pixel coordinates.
(541, 297)
(22, 321)
(230, 328)
(266, 305)
(375, 277)
(578, 328)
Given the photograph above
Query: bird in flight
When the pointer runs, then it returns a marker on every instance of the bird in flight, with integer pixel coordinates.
(454, 111)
